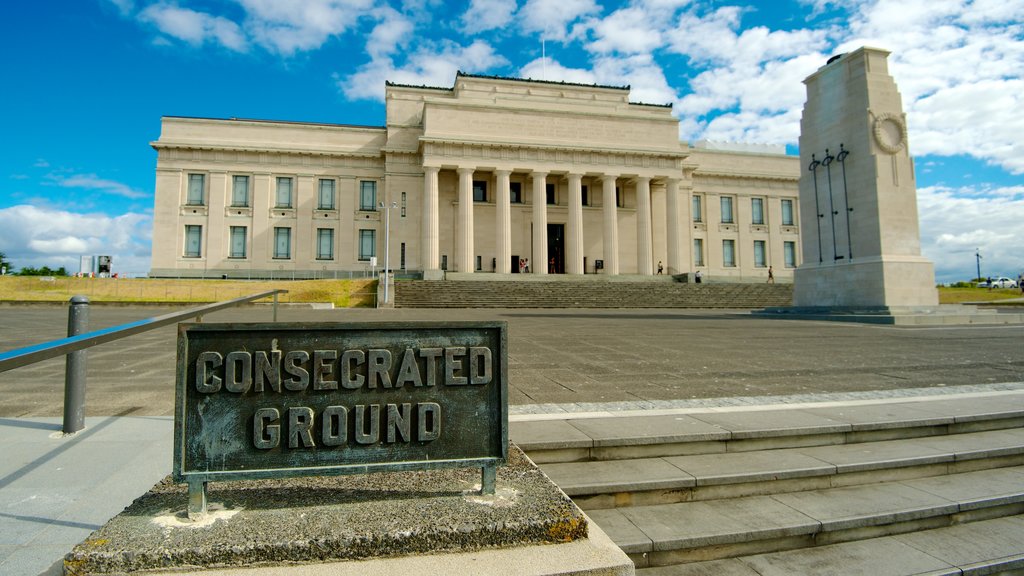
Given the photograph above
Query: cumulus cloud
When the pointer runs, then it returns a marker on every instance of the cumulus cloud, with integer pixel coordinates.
(484, 15)
(956, 222)
(290, 27)
(554, 19)
(40, 236)
(430, 66)
(193, 27)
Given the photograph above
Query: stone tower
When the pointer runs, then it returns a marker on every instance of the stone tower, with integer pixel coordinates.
(858, 197)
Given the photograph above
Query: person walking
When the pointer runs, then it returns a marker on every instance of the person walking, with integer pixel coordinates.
(697, 277)
(771, 275)
(661, 267)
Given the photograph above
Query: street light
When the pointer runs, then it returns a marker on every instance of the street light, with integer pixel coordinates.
(387, 243)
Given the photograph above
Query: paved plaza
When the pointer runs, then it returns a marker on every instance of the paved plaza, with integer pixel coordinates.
(565, 359)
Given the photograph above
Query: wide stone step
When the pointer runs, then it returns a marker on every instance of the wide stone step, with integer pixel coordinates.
(678, 533)
(985, 547)
(646, 481)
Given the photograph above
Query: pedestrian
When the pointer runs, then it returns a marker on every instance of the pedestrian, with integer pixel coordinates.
(522, 265)
(696, 277)
(526, 265)
(661, 267)
(771, 275)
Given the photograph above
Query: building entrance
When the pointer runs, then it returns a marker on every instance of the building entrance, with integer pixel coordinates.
(556, 249)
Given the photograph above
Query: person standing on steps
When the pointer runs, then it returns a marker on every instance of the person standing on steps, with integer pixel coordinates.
(771, 275)
(661, 267)
(697, 277)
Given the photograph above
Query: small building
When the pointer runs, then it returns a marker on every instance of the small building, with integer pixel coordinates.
(483, 177)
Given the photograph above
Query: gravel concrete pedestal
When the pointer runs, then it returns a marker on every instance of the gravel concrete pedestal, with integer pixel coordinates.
(434, 521)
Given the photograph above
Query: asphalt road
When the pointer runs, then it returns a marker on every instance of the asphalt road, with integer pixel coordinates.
(561, 356)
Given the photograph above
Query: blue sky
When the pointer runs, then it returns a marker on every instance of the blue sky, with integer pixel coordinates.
(86, 82)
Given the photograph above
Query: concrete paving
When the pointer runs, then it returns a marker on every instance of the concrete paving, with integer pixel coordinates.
(56, 490)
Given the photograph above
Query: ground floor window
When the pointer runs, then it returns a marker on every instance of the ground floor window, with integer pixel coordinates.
(238, 235)
(282, 243)
(479, 191)
(789, 250)
(193, 241)
(325, 244)
(759, 255)
(367, 244)
(549, 192)
(729, 253)
(585, 191)
(479, 263)
(698, 251)
(515, 191)
(402, 263)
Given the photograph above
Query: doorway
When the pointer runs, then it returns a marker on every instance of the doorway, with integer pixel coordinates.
(556, 249)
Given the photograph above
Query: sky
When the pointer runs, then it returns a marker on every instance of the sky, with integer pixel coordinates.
(87, 82)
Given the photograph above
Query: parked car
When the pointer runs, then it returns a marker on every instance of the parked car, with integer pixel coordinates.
(1000, 282)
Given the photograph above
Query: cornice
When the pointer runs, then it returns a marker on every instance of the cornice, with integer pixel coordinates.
(555, 147)
(161, 145)
(698, 173)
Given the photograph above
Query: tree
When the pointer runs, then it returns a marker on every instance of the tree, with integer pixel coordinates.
(4, 263)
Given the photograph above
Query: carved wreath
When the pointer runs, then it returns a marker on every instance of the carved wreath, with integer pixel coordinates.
(890, 132)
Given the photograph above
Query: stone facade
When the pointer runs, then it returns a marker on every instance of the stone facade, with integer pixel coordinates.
(574, 179)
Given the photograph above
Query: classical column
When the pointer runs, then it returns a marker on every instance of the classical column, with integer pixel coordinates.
(540, 223)
(430, 242)
(465, 225)
(611, 227)
(574, 232)
(675, 264)
(503, 224)
(644, 247)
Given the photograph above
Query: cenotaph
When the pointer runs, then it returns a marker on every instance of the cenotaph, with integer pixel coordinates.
(858, 203)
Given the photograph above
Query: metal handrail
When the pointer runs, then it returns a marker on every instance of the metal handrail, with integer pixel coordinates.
(74, 346)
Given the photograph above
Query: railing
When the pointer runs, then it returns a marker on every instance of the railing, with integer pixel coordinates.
(78, 341)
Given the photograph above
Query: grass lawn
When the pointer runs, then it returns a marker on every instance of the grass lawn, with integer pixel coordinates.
(343, 293)
(961, 295)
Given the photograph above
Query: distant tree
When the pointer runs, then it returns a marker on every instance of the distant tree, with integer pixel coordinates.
(4, 263)
(43, 271)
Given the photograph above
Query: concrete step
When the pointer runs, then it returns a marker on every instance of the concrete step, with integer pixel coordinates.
(685, 532)
(985, 547)
(646, 481)
(656, 434)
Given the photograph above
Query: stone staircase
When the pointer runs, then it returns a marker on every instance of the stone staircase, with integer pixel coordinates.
(587, 294)
(929, 486)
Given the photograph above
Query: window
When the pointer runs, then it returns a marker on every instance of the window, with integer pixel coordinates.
(444, 261)
(193, 241)
(729, 253)
(549, 192)
(367, 244)
(698, 252)
(787, 212)
(479, 191)
(727, 210)
(618, 197)
(282, 243)
(759, 254)
(696, 209)
(515, 192)
(196, 183)
(757, 210)
(586, 199)
(789, 250)
(284, 193)
(405, 203)
(325, 244)
(240, 191)
(402, 262)
(325, 200)
(479, 263)
(237, 238)
(367, 196)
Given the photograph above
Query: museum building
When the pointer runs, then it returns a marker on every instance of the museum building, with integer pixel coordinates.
(493, 175)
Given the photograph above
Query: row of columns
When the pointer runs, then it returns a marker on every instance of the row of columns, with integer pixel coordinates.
(574, 226)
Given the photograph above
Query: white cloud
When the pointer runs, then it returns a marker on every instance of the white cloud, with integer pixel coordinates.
(124, 6)
(290, 27)
(430, 66)
(392, 31)
(548, 69)
(553, 18)
(94, 182)
(195, 28)
(956, 222)
(38, 236)
(484, 15)
(627, 31)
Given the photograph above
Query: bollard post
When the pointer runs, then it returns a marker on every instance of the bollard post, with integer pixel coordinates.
(275, 306)
(74, 369)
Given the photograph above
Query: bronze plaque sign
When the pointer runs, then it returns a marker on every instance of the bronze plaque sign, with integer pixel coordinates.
(277, 400)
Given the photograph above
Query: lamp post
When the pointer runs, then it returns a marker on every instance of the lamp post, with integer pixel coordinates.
(977, 260)
(387, 243)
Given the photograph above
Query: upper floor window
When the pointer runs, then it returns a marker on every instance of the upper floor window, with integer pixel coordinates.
(240, 191)
(618, 197)
(697, 209)
(284, 193)
(585, 194)
(479, 191)
(325, 199)
(787, 212)
(193, 241)
(515, 192)
(757, 210)
(196, 186)
(404, 204)
(549, 193)
(367, 195)
(727, 216)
